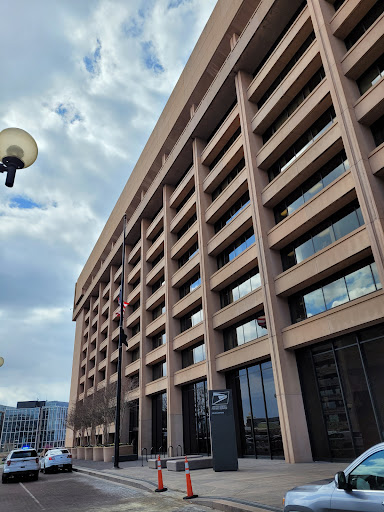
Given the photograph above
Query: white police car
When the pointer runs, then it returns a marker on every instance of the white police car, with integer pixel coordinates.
(55, 459)
(21, 462)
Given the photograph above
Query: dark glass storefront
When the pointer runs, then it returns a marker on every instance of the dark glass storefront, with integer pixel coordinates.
(133, 433)
(159, 423)
(196, 418)
(256, 415)
(342, 382)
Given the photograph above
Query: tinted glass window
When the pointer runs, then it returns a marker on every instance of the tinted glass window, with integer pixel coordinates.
(24, 454)
(369, 475)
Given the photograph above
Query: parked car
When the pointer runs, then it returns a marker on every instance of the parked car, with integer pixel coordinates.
(55, 459)
(359, 488)
(22, 462)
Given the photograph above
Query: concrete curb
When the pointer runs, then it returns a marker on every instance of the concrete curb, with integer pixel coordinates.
(118, 479)
(216, 503)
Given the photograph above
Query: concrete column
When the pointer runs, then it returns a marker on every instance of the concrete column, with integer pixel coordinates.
(145, 403)
(74, 392)
(357, 138)
(288, 392)
(174, 395)
(211, 302)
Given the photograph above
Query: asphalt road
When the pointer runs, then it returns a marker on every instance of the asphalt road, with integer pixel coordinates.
(70, 492)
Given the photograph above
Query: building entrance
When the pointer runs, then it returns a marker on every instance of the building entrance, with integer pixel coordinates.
(256, 414)
(342, 384)
(196, 427)
(159, 423)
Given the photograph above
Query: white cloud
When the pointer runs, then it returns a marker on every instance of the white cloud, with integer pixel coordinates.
(88, 80)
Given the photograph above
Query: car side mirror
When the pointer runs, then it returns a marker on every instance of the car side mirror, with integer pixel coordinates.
(341, 481)
(3, 459)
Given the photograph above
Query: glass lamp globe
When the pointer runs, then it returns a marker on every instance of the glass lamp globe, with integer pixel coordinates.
(1, 361)
(17, 143)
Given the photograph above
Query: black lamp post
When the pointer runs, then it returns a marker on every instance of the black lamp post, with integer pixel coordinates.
(122, 339)
(18, 150)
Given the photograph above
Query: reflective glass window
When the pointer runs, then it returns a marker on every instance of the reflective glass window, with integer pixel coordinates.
(335, 293)
(360, 282)
(314, 303)
(345, 225)
(304, 250)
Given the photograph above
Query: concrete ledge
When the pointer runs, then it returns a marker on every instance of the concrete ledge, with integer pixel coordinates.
(197, 463)
(152, 463)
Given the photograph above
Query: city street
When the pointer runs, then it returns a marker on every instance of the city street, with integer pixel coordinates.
(69, 492)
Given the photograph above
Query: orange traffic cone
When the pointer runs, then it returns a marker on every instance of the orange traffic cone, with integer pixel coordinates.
(160, 487)
(189, 483)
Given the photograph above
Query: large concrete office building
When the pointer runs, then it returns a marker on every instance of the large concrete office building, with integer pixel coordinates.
(255, 241)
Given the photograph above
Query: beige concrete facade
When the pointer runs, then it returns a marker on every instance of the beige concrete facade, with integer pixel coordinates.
(241, 54)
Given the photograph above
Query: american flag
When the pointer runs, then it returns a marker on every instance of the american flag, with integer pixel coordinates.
(125, 304)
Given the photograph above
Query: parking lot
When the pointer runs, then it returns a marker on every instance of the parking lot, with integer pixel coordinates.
(69, 492)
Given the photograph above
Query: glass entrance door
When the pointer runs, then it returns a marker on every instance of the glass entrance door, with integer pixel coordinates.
(344, 402)
(256, 414)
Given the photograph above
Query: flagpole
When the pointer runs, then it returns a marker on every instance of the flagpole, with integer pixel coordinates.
(121, 337)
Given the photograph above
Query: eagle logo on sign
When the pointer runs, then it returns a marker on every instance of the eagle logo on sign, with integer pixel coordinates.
(220, 397)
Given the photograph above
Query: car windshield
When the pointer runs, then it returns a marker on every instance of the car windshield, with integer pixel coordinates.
(55, 452)
(23, 454)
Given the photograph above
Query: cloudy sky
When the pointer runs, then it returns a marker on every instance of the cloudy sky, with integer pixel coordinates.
(88, 79)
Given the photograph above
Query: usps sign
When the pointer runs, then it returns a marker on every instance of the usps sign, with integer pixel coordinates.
(223, 433)
(220, 397)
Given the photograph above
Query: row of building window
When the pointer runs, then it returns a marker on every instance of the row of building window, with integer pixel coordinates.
(190, 285)
(188, 255)
(158, 258)
(225, 148)
(158, 311)
(350, 284)
(235, 248)
(364, 24)
(159, 370)
(280, 37)
(298, 147)
(159, 339)
(378, 131)
(294, 104)
(158, 284)
(300, 52)
(241, 287)
(190, 222)
(191, 319)
(343, 222)
(193, 355)
(185, 200)
(227, 180)
(371, 75)
(234, 210)
(311, 187)
(245, 331)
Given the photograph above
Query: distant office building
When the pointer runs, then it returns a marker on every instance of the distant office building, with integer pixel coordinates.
(254, 242)
(37, 424)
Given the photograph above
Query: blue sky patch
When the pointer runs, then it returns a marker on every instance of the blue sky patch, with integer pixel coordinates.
(91, 63)
(61, 110)
(68, 113)
(133, 28)
(173, 4)
(150, 58)
(23, 203)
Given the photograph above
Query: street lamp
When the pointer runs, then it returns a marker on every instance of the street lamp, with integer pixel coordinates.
(18, 149)
(1, 361)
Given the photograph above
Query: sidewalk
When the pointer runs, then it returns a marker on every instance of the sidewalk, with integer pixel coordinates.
(259, 485)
